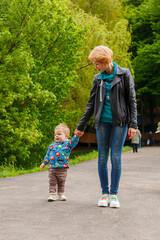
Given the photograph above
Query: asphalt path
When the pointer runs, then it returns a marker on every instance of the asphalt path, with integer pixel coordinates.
(25, 213)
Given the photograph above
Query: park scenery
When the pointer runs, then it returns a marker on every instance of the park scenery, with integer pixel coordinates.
(46, 76)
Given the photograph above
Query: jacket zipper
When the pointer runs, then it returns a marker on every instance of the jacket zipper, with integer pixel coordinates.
(101, 90)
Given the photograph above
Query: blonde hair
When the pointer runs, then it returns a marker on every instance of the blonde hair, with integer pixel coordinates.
(64, 127)
(101, 54)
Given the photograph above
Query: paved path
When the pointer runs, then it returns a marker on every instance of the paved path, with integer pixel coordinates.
(25, 213)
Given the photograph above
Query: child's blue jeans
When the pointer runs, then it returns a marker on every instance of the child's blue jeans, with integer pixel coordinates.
(114, 136)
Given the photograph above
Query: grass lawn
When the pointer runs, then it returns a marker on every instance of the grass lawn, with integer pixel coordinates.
(75, 158)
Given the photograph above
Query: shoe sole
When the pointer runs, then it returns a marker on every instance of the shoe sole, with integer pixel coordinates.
(114, 205)
(102, 204)
(51, 200)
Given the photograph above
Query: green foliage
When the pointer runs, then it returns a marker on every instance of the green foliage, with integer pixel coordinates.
(146, 46)
(133, 3)
(38, 52)
(147, 74)
(108, 11)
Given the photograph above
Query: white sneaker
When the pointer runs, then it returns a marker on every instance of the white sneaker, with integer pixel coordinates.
(52, 197)
(104, 201)
(62, 197)
(114, 203)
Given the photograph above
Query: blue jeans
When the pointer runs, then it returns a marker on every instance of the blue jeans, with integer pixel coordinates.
(107, 135)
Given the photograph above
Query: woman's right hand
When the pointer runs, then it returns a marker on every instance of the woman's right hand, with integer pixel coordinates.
(78, 133)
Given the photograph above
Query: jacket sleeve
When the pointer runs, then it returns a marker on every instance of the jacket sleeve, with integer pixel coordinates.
(90, 108)
(46, 158)
(74, 141)
(131, 96)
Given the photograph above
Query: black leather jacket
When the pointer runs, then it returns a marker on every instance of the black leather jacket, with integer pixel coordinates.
(122, 100)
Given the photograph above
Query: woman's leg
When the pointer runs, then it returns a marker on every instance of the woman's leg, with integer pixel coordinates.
(103, 139)
(134, 148)
(118, 138)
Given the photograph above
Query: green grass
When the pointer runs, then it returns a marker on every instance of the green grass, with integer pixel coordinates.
(75, 158)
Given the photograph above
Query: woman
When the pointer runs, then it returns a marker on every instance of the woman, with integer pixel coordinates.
(135, 140)
(113, 102)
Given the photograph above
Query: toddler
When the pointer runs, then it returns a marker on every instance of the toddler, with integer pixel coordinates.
(58, 158)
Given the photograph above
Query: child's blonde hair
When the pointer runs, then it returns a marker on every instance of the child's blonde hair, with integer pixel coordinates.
(64, 127)
(101, 54)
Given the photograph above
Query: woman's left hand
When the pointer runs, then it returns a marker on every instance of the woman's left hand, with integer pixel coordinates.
(131, 132)
(78, 133)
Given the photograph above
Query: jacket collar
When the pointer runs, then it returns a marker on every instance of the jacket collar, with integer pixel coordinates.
(120, 70)
(117, 78)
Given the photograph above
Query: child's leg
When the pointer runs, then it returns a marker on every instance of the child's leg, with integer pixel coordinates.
(52, 180)
(61, 174)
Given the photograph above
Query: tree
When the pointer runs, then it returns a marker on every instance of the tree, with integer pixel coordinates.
(144, 19)
(39, 46)
(108, 11)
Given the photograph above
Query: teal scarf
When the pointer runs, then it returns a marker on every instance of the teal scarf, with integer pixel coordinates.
(109, 78)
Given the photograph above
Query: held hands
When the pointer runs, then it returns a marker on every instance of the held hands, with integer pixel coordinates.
(131, 132)
(42, 166)
(78, 133)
